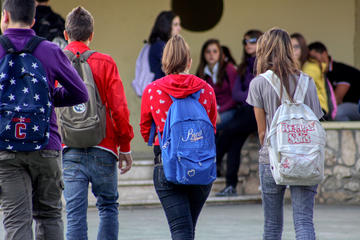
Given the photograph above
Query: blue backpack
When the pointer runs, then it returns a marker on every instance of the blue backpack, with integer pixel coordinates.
(188, 148)
(25, 104)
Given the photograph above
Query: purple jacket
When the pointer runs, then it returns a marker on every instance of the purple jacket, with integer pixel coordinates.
(241, 87)
(57, 67)
(223, 94)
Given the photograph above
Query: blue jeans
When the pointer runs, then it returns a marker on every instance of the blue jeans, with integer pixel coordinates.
(225, 117)
(347, 112)
(98, 167)
(182, 204)
(302, 199)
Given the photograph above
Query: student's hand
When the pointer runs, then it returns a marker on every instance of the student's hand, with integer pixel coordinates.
(218, 118)
(127, 159)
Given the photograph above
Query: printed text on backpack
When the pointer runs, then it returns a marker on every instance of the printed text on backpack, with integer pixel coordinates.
(296, 138)
(187, 144)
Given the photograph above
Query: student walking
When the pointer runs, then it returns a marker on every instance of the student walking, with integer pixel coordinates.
(166, 25)
(182, 203)
(30, 145)
(84, 160)
(148, 64)
(275, 53)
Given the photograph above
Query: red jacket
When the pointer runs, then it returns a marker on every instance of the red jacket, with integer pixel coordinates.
(119, 132)
(156, 101)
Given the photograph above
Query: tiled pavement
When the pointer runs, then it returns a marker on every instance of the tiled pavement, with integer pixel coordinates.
(241, 221)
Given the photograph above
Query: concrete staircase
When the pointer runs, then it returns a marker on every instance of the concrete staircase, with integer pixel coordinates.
(136, 187)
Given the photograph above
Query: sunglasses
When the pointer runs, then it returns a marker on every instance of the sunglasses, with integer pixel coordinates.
(251, 40)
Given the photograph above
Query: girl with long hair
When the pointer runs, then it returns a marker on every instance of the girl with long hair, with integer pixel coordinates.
(166, 25)
(275, 53)
(182, 203)
(221, 76)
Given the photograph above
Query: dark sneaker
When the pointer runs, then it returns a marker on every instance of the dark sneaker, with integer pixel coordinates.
(228, 191)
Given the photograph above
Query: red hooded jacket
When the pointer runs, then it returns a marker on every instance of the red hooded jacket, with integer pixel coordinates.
(156, 100)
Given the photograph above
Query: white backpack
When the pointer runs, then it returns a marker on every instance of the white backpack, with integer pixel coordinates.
(143, 75)
(296, 138)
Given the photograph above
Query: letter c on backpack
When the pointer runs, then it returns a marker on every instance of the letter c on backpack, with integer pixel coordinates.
(18, 130)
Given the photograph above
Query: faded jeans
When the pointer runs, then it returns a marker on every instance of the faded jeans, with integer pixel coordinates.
(30, 188)
(182, 204)
(98, 167)
(347, 112)
(302, 199)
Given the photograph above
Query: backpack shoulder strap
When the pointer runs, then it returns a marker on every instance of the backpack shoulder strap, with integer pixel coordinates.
(70, 55)
(32, 44)
(85, 55)
(301, 88)
(7, 44)
(274, 81)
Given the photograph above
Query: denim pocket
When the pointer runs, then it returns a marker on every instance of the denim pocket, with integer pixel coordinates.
(268, 184)
(106, 166)
(6, 155)
(71, 166)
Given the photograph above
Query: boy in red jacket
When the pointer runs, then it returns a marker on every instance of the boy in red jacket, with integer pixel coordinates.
(96, 164)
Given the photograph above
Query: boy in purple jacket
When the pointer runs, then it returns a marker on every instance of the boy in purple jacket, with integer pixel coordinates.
(31, 182)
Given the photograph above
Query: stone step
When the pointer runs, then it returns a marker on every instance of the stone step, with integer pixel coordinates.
(142, 193)
(140, 170)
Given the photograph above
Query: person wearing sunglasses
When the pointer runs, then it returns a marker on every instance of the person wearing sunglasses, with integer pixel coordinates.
(243, 122)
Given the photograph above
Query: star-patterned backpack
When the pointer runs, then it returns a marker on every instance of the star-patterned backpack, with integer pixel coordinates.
(25, 104)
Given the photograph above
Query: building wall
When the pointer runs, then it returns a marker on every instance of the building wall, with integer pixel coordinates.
(121, 26)
(357, 35)
(341, 183)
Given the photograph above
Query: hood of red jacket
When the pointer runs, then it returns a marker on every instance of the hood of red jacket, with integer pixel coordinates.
(180, 85)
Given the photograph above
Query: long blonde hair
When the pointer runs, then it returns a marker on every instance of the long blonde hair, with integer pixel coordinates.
(274, 52)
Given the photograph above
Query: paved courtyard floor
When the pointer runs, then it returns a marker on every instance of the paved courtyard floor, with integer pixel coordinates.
(230, 222)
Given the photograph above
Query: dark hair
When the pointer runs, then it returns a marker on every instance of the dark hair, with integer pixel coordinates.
(41, 1)
(79, 24)
(228, 56)
(244, 64)
(222, 65)
(303, 47)
(162, 27)
(21, 11)
(318, 47)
